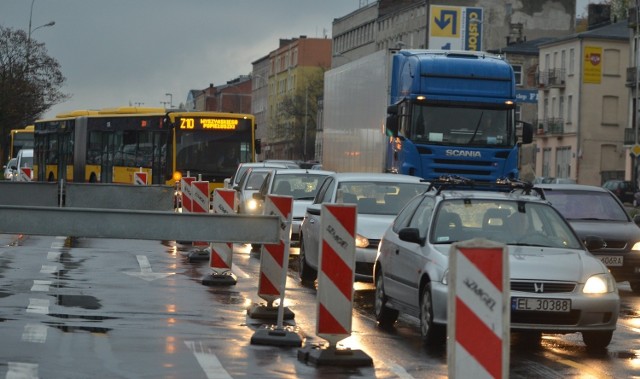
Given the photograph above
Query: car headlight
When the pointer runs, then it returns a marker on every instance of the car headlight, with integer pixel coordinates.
(636, 246)
(361, 241)
(252, 205)
(601, 283)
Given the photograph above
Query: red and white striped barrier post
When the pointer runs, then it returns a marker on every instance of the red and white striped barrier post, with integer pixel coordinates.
(478, 310)
(185, 190)
(335, 288)
(221, 253)
(140, 178)
(274, 261)
(200, 204)
(25, 174)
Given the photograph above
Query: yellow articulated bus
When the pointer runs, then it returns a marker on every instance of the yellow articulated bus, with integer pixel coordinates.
(19, 139)
(110, 145)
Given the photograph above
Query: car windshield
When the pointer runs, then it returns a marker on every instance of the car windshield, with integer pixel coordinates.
(300, 186)
(586, 205)
(509, 222)
(381, 198)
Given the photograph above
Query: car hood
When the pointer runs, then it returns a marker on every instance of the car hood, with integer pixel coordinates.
(299, 208)
(608, 230)
(373, 226)
(545, 263)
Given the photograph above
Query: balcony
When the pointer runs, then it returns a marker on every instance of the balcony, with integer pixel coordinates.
(550, 126)
(629, 136)
(631, 76)
(551, 78)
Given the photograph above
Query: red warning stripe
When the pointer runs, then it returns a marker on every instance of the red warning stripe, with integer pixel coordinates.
(283, 204)
(346, 216)
(217, 261)
(485, 260)
(481, 342)
(266, 287)
(276, 251)
(327, 323)
(337, 270)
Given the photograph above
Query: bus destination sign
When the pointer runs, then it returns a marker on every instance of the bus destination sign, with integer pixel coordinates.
(208, 123)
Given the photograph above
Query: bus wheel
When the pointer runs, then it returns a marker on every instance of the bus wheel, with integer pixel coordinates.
(93, 179)
(51, 177)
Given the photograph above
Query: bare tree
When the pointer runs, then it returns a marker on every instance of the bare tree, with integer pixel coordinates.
(302, 108)
(30, 81)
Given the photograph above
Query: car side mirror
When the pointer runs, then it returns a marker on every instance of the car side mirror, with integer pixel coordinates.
(411, 235)
(594, 243)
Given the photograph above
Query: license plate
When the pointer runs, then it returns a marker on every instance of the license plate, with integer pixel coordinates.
(611, 260)
(540, 305)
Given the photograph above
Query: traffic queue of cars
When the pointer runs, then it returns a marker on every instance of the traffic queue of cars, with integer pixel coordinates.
(565, 257)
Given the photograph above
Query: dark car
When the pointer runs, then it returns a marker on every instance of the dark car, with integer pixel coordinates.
(624, 189)
(594, 211)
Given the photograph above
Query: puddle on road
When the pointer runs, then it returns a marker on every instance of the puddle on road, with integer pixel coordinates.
(227, 297)
(76, 328)
(78, 301)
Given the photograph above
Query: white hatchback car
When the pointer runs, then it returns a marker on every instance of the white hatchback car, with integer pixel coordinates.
(557, 286)
(379, 198)
(301, 184)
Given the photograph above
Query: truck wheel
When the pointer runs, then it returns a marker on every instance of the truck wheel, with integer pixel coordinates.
(307, 273)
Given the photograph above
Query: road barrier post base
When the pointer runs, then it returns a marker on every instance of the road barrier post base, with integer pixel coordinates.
(226, 278)
(275, 336)
(264, 312)
(323, 356)
(199, 255)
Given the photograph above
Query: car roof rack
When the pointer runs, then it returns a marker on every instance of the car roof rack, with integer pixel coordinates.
(447, 182)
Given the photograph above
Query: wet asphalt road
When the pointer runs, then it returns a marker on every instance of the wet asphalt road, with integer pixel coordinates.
(97, 308)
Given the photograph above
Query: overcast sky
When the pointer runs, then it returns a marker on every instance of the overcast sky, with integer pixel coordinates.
(117, 52)
(114, 52)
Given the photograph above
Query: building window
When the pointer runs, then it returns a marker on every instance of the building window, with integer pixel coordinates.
(610, 110)
(572, 60)
(546, 164)
(569, 107)
(563, 162)
(517, 72)
(518, 112)
(611, 62)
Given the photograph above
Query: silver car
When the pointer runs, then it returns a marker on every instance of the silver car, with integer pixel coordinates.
(557, 286)
(301, 184)
(379, 197)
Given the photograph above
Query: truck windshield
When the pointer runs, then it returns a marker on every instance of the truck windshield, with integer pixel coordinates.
(461, 126)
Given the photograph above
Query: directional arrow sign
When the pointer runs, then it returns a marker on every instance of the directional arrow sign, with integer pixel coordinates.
(145, 270)
(447, 17)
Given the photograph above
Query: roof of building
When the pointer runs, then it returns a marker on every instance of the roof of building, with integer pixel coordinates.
(615, 31)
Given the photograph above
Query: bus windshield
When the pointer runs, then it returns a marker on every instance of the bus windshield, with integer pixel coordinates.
(462, 126)
(211, 154)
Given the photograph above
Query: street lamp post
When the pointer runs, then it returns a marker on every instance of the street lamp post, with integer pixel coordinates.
(30, 31)
(170, 99)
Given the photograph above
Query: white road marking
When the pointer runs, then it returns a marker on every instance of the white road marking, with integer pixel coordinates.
(21, 370)
(53, 256)
(48, 269)
(36, 333)
(208, 361)
(38, 306)
(41, 285)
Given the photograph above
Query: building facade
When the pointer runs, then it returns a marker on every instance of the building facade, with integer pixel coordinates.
(583, 105)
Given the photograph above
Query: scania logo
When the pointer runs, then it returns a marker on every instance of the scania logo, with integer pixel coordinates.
(463, 153)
